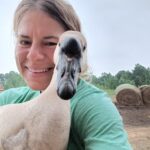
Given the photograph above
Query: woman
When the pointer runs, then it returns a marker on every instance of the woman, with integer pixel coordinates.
(38, 24)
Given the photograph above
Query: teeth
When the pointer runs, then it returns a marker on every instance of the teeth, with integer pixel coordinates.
(39, 71)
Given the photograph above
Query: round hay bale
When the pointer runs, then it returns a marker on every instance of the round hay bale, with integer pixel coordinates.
(145, 92)
(128, 95)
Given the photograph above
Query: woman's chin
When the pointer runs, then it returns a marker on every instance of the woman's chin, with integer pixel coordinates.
(39, 86)
(38, 83)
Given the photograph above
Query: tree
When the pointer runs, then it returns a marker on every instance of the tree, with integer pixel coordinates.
(107, 80)
(13, 79)
(141, 75)
(124, 77)
(2, 79)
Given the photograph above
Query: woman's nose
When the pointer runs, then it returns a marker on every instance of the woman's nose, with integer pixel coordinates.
(36, 52)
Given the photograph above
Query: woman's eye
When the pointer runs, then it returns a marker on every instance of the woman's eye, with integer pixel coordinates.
(25, 42)
(50, 43)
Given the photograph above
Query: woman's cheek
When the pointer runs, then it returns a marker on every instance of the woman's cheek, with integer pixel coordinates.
(50, 53)
(20, 58)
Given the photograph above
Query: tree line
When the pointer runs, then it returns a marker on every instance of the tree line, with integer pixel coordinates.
(140, 75)
(11, 80)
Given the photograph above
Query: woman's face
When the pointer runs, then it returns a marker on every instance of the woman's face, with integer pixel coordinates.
(37, 37)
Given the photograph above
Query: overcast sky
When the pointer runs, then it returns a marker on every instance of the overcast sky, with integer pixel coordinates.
(117, 31)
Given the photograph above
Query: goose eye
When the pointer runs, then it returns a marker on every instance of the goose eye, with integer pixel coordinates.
(84, 47)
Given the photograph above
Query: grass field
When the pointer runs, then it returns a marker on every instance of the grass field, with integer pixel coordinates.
(110, 92)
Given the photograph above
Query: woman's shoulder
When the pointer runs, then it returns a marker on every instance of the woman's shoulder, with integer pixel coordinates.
(85, 88)
(89, 94)
(17, 95)
(90, 100)
(94, 118)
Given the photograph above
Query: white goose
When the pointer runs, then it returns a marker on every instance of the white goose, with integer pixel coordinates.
(44, 122)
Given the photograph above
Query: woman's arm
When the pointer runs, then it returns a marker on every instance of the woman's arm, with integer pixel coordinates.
(99, 125)
(17, 95)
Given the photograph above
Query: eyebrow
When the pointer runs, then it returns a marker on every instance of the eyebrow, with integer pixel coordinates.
(22, 36)
(46, 37)
(51, 37)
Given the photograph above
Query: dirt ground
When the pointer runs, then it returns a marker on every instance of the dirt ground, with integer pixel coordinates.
(137, 125)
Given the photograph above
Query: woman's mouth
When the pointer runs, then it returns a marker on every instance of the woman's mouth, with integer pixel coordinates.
(43, 70)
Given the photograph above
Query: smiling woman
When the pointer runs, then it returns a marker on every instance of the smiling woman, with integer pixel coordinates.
(37, 36)
(44, 118)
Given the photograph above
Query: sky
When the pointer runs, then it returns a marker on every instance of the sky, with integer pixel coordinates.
(117, 32)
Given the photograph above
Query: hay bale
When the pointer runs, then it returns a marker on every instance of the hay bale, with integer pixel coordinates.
(128, 95)
(145, 92)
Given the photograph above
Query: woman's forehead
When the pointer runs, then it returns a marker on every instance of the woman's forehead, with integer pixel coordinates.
(38, 21)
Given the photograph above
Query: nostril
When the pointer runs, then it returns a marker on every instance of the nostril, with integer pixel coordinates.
(72, 73)
(63, 72)
(79, 69)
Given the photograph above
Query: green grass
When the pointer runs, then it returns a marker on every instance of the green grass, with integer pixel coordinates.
(110, 92)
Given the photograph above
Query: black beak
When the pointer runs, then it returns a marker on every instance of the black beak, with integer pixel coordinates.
(68, 67)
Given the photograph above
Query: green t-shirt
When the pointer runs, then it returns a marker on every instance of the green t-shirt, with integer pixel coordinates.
(95, 121)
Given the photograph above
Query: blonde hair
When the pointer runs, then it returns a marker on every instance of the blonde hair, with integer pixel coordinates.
(60, 10)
